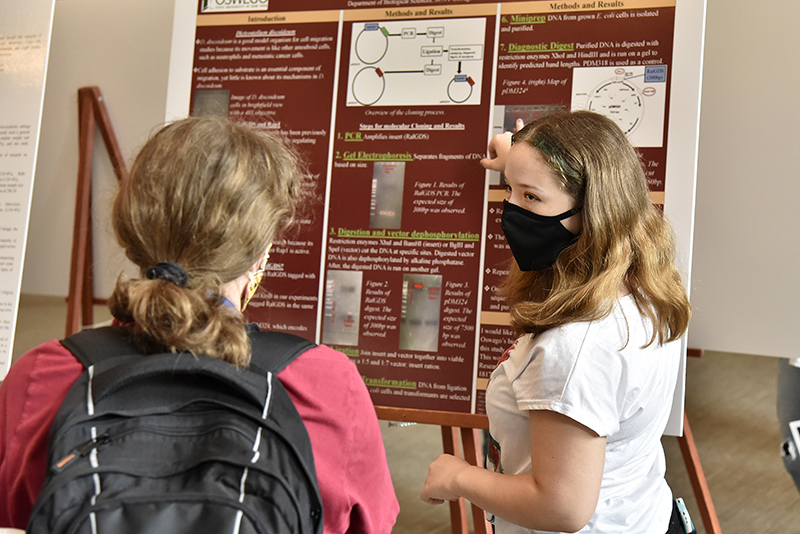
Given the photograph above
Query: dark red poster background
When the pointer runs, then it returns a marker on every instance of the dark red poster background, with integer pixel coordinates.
(268, 76)
(435, 235)
(393, 264)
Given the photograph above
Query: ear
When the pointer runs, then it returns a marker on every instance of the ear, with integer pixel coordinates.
(260, 263)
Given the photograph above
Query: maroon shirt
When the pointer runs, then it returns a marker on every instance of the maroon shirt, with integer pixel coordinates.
(357, 492)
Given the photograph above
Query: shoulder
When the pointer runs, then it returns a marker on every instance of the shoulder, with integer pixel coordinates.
(320, 353)
(585, 370)
(50, 362)
(39, 379)
(324, 373)
(551, 354)
(609, 336)
(594, 350)
(328, 390)
(323, 360)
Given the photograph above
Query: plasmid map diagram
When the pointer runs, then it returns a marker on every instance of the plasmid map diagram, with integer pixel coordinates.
(416, 62)
(634, 96)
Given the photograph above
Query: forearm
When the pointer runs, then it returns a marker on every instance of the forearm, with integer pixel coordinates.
(559, 493)
(522, 500)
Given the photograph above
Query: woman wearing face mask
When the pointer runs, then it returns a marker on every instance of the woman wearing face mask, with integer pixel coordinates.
(204, 200)
(578, 405)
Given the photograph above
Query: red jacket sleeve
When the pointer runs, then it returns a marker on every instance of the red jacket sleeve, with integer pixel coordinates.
(349, 456)
(30, 396)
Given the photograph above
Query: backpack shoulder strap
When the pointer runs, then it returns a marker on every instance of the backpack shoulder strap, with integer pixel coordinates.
(273, 351)
(92, 346)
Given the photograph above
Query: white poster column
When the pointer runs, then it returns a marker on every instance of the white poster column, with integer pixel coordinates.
(25, 29)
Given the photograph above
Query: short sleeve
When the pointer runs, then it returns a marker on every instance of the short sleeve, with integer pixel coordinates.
(565, 371)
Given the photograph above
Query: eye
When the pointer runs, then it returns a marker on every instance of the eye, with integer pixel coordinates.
(508, 191)
(529, 197)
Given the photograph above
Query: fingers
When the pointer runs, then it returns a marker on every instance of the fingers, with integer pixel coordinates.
(492, 164)
(497, 150)
(439, 484)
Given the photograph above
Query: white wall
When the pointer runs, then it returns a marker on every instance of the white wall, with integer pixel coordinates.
(746, 264)
(746, 258)
(124, 49)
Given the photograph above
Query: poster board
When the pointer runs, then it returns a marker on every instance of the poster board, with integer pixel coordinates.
(24, 48)
(392, 103)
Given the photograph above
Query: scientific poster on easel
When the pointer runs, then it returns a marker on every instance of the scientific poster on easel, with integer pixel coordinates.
(24, 45)
(392, 103)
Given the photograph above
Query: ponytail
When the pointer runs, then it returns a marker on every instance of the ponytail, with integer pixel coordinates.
(203, 200)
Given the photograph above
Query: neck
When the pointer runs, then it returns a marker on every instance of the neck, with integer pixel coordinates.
(233, 290)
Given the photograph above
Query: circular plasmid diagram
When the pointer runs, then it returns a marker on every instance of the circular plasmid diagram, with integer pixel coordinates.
(371, 46)
(620, 101)
(368, 86)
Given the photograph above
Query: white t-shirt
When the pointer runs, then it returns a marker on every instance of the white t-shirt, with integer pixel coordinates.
(597, 374)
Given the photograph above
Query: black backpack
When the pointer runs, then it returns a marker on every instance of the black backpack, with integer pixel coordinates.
(178, 443)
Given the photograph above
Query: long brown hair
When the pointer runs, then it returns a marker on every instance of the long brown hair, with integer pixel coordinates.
(209, 195)
(625, 241)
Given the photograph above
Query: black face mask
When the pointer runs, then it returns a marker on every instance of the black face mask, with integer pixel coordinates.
(535, 240)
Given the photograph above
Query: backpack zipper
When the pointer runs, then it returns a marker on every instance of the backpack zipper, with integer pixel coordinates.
(81, 451)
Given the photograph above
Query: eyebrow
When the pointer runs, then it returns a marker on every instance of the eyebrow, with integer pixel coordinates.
(525, 185)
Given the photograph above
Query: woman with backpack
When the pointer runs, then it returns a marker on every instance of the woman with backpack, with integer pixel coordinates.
(204, 201)
(578, 405)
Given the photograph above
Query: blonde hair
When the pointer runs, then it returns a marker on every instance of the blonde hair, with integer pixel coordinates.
(625, 240)
(209, 195)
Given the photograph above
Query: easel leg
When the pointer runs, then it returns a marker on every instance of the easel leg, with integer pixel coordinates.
(87, 299)
(698, 479)
(80, 301)
(469, 438)
(83, 205)
(472, 454)
(458, 509)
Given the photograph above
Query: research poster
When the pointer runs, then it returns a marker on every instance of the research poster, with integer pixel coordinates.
(24, 43)
(398, 258)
